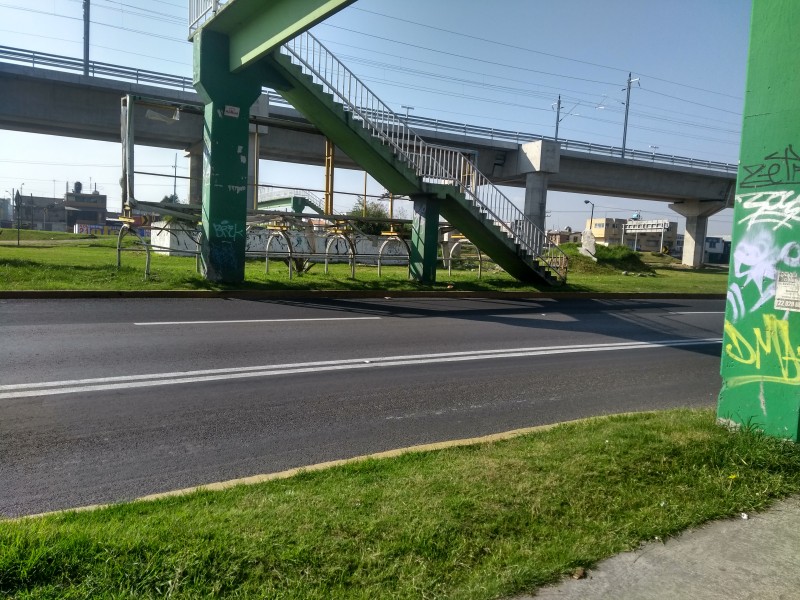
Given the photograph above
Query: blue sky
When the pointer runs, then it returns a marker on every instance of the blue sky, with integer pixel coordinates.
(499, 64)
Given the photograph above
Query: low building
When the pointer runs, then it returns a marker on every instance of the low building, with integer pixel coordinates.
(564, 236)
(56, 214)
(606, 231)
(717, 250)
(6, 212)
(645, 236)
(84, 209)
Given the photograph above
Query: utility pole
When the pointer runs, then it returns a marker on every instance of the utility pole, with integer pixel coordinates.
(627, 108)
(17, 198)
(175, 179)
(86, 8)
(364, 205)
(558, 114)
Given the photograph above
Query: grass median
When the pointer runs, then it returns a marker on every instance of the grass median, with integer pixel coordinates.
(480, 521)
(66, 262)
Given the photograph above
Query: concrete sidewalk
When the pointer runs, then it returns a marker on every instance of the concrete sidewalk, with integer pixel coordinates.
(753, 558)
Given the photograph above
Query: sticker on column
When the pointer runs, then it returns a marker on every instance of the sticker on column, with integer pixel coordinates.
(232, 111)
(787, 292)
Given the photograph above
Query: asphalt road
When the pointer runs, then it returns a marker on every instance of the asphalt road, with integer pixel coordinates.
(107, 400)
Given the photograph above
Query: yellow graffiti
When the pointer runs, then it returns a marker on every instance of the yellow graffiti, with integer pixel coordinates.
(770, 352)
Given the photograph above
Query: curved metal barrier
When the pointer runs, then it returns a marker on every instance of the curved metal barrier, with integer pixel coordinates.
(394, 238)
(125, 230)
(351, 249)
(451, 258)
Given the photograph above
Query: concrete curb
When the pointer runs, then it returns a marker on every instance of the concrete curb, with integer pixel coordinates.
(340, 294)
(255, 479)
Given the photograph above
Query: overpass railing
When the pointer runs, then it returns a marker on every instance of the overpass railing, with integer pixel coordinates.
(96, 69)
(99, 69)
(201, 11)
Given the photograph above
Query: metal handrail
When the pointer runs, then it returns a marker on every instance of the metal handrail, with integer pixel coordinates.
(434, 164)
(274, 192)
(42, 59)
(199, 11)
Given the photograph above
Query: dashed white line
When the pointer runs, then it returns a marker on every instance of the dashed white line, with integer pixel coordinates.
(150, 323)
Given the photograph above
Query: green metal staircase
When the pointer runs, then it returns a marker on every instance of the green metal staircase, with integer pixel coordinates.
(329, 95)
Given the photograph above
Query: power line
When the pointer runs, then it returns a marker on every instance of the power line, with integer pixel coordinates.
(454, 54)
(579, 95)
(505, 65)
(515, 47)
(528, 92)
(53, 14)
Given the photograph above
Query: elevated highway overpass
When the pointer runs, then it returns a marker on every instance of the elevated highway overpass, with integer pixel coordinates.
(55, 98)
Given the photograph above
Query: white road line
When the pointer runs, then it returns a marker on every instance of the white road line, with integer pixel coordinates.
(145, 324)
(709, 312)
(27, 390)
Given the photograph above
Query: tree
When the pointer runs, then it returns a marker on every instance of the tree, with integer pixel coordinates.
(171, 199)
(375, 210)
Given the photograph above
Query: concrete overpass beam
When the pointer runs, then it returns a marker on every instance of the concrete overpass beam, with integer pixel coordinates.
(696, 213)
(537, 160)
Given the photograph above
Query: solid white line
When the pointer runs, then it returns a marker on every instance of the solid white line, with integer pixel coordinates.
(710, 312)
(145, 324)
(27, 390)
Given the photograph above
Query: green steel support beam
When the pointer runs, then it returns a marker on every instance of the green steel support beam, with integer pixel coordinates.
(425, 238)
(761, 345)
(228, 98)
(255, 27)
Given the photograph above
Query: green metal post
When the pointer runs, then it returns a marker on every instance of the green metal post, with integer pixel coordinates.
(761, 345)
(424, 238)
(228, 98)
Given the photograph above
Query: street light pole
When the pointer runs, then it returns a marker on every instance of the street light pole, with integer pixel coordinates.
(591, 217)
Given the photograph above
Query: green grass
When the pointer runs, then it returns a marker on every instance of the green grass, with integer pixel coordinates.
(475, 522)
(25, 235)
(69, 262)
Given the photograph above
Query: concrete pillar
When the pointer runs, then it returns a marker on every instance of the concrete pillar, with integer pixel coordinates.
(696, 213)
(536, 160)
(760, 365)
(227, 97)
(254, 142)
(536, 198)
(424, 238)
(258, 135)
(195, 175)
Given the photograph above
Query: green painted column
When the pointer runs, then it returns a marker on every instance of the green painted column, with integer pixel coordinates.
(228, 98)
(425, 238)
(761, 345)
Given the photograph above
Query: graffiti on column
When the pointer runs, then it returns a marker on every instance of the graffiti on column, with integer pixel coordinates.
(765, 275)
(228, 230)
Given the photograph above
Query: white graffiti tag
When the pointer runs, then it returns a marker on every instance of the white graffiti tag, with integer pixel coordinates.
(775, 208)
(225, 229)
(755, 262)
